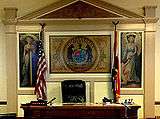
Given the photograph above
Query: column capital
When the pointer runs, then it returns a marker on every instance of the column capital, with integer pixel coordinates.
(10, 15)
(150, 11)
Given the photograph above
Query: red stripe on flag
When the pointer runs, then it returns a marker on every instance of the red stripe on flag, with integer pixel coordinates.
(40, 88)
(116, 68)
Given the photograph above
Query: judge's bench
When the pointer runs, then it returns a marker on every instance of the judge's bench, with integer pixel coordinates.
(74, 106)
(80, 111)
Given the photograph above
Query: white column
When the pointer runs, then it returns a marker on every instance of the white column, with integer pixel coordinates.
(11, 58)
(149, 64)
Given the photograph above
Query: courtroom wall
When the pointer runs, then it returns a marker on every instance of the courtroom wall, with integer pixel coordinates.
(27, 8)
(100, 87)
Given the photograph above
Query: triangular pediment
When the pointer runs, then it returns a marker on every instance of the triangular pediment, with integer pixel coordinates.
(80, 9)
(73, 9)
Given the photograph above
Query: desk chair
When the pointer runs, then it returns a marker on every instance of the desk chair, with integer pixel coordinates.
(73, 91)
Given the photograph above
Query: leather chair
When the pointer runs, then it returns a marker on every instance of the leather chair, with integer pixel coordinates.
(73, 91)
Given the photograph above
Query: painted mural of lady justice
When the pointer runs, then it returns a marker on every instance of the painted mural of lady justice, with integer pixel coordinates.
(28, 48)
(131, 63)
(28, 60)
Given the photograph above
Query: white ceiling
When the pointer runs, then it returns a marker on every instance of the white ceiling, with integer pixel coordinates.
(28, 6)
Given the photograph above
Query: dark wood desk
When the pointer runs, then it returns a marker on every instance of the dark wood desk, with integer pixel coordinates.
(91, 111)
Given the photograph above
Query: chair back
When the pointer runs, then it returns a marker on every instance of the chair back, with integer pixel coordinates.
(73, 91)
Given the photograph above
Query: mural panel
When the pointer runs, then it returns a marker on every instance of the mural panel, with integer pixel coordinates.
(131, 59)
(84, 53)
(28, 58)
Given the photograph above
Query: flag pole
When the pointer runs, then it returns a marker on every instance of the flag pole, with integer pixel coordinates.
(114, 63)
(41, 88)
(115, 24)
(42, 25)
(42, 30)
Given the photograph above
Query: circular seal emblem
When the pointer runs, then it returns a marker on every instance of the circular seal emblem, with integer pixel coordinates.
(79, 54)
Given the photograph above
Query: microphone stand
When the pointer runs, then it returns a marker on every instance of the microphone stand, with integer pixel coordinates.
(51, 101)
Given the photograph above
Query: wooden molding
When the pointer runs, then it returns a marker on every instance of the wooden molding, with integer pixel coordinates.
(84, 21)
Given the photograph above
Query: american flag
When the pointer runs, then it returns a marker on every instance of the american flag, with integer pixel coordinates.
(40, 88)
(116, 69)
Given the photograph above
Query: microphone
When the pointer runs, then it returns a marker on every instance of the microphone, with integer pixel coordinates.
(49, 102)
(127, 106)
